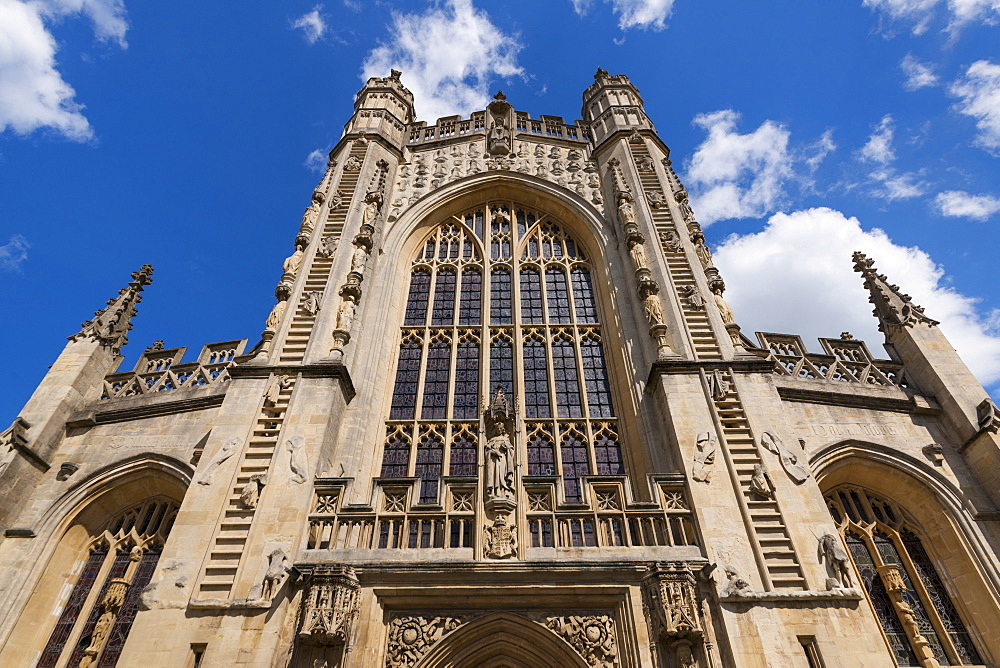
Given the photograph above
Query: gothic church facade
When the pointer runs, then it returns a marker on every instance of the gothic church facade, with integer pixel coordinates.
(501, 415)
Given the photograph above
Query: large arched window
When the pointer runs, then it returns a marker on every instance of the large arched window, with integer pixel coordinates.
(878, 533)
(118, 564)
(501, 296)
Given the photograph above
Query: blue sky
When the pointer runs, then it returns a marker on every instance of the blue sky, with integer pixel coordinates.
(186, 135)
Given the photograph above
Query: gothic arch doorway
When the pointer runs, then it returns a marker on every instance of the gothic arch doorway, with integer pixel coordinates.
(502, 640)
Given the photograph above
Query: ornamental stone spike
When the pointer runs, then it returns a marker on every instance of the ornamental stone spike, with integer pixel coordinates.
(111, 324)
(893, 308)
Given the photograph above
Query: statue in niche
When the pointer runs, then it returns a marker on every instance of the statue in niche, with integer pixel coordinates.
(373, 204)
(274, 318)
(292, 262)
(358, 259)
(653, 308)
(499, 137)
(499, 451)
(626, 212)
(638, 254)
(693, 298)
(312, 302)
(704, 457)
(685, 659)
(724, 310)
(227, 451)
(837, 561)
(345, 314)
(760, 482)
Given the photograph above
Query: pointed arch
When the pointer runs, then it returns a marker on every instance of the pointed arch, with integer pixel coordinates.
(502, 639)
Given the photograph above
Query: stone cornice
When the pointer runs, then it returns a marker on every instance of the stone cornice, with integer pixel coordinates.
(679, 366)
(847, 395)
(331, 370)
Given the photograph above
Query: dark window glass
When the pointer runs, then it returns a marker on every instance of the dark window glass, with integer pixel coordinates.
(500, 246)
(521, 226)
(444, 298)
(416, 302)
(541, 455)
(396, 457)
(595, 377)
(470, 304)
(536, 380)
(531, 296)
(502, 366)
(436, 377)
(130, 606)
(608, 454)
(464, 454)
(940, 599)
(567, 381)
(404, 391)
(118, 568)
(430, 458)
(574, 465)
(57, 641)
(884, 610)
(583, 295)
(500, 297)
(466, 405)
(557, 295)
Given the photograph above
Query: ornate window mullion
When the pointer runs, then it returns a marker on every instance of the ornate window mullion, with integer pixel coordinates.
(943, 637)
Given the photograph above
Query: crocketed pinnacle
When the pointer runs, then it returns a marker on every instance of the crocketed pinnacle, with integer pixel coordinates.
(893, 308)
(111, 324)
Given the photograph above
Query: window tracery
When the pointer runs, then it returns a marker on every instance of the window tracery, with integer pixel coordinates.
(502, 296)
(879, 534)
(122, 559)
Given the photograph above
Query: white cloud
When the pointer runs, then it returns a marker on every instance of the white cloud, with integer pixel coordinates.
(33, 94)
(14, 252)
(879, 147)
(311, 24)
(634, 13)
(979, 93)
(449, 56)
(818, 151)
(317, 159)
(921, 12)
(918, 75)
(893, 185)
(779, 281)
(738, 176)
(960, 204)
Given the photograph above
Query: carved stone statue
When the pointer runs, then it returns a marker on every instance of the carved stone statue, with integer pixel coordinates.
(274, 575)
(274, 318)
(499, 137)
(653, 308)
(592, 637)
(353, 164)
(228, 450)
(310, 217)
(292, 262)
(670, 241)
(499, 455)
(329, 606)
(327, 247)
(501, 538)
(358, 259)
(789, 460)
(373, 204)
(274, 388)
(638, 254)
(704, 457)
(704, 255)
(297, 459)
(251, 491)
(693, 297)
(760, 482)
(724, 310)
(345, 314)
(736, 585)
(312, 302)
(626, 212)
(837, 560)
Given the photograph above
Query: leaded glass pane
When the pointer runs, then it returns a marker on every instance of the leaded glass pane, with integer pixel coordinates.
(57, 640)
(567, 381)
(416, 302)
(541, 454)
(466, 404)
(557, 295)
(536, 380)
(595, 378)
(502, 365)
(396, 456)
(583, 295)
(118, 568)
(939, 598)
(130, 606)
(573, 452)
(464, 454)
(436, 378)
(404, 391)
(879, 597)
(430, 459)
(470, 306)
(608, 453)
(531, 296)
(500, 297)
(444, 298)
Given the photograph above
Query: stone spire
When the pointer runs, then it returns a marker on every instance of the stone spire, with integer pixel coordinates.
(893, 308)
(111, 324)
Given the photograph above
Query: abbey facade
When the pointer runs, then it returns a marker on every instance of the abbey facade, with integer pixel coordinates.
(501, 415)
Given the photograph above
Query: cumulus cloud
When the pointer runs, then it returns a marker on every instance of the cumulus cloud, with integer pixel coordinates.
(317, 159)
(778, 283)
(960, 204)
(33, 93)
(311, 24)
(920, 13)
(735, 175)
(918, 75)
(644, 14)
(14, 252)
(979, 97)
(449, 56)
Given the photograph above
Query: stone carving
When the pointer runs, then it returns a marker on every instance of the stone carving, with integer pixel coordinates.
(327, 247)
(296, 459)
(656, 199)
(718, 385)
(358, 259)
(274, 317)
(252, 489)
(274, 387)
(988, 416)
(329, 606)
(311, 302)
(736, 584)
(704, 457)
(110, 325)
(760, 482)
(637, 252)
(789, 460)
(895, 586)
(353, 164)
(499, 451)
(645, 164)
(626, 212)
(498, 140)
(837, 561)
(681, 197)
(336, 200)
(411, 637)
(292, 262)
(372, 207)
(934, 452)
(893, 308)
(111, 604)
(724, 310)
(345, 314)
(227, 451)
(671, 242)
(671, 598)
(700, 249)
(501, 538)
(66, 469)
(653, 308)
(692, 297)
(274, 574)
(311, 214)
(593, 637)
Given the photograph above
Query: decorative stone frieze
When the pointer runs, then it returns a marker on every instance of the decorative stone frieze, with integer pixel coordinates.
(411, 637)
(593, 637)
(329, 606)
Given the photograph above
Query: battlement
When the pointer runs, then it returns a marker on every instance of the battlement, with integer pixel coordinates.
(449, 127)
(160, 369)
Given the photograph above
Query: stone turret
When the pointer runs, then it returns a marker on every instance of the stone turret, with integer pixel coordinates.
(612, 104)
(384, 106)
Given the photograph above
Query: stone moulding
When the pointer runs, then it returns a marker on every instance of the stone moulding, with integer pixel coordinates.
(803, 597)
(331, 370)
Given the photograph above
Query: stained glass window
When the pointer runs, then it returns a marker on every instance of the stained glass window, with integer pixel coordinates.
(464, 453)
(416, 303)
(557, 295)
(436, 378)
(501, 301)
(878, 533)
(430, 459)
(444, 298)
(536, 378)
(67, 620)
(396, 458)
(466, 406)
(541, 454)
(574, 464)
(531, 296)
(470, 306)
(404, 392)
(567, 380)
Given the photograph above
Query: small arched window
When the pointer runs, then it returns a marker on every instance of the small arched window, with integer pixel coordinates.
(118, 564)
(501, 296)
(878, 535)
